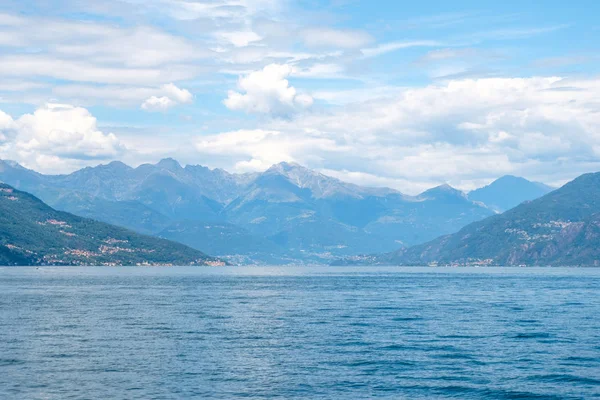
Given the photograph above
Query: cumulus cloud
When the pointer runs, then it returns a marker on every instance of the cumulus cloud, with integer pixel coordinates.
(179, 95)
(6, 126)
(6, 121)
(154, 103)
(59, 134)
(258, 149)
(460, 131)
(172, 97)
(268, 92)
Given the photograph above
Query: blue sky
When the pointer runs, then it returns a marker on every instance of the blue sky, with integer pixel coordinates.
(400, 94)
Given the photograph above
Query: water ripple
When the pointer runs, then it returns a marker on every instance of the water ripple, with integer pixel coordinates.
(299, 333)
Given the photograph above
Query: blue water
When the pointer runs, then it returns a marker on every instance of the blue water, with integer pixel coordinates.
(312, 333)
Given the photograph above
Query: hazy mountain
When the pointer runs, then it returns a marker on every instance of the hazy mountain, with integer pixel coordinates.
(435, 212)
(173, 197)
(226, 240)
(301, 209)
(285, 213)
(319, 185)
(287, 204)
(193, 192)
(27, 180)
(560, 228)
(129, 214)
(32, 233)
(508, 192)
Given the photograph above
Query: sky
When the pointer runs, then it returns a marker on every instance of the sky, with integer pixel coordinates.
(408, 95)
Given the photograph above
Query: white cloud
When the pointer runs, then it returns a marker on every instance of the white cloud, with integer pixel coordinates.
(140, 46)
(366, 179)
(118, 63)
(58, 134)
(268, 92)
(179, 95)
(84, 71)
(7, 125)
(228, 10)
(21, 86)
(11, 20)
(239, 38)
(6, 121)
(154, 103)
(336, 38)
(393, 46)
(361, 95)
(172, 97)
(512, 33)
(461, 131)
(320, 71)
(258, 149)
(118, 95)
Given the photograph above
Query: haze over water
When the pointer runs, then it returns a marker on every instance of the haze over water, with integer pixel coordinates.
(314, 333)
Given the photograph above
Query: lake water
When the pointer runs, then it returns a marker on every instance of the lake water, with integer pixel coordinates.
(312, 333)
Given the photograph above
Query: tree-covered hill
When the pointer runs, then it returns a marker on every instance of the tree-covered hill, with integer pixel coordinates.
(32, 233)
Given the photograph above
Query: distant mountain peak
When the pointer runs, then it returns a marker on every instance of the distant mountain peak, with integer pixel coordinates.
(446, 187)
(291, 164)
(513, 179)
(296, 173)
(12, 164)
(118, 165)
(508, 191)
(169, 164)
(508, 179)
(443, 190)
(286, 167)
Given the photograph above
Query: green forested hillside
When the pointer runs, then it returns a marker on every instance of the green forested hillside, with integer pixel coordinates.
(32, 233)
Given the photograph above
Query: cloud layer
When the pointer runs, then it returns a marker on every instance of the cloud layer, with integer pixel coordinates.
(408, 99)
(463, 132)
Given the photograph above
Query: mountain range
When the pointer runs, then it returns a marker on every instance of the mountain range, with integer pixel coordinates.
(286, 214)
(560, 228)
(32, 233)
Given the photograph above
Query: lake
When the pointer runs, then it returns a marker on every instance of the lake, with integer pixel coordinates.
(299, 332)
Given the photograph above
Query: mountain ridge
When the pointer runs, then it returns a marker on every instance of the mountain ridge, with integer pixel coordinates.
(303, 214)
